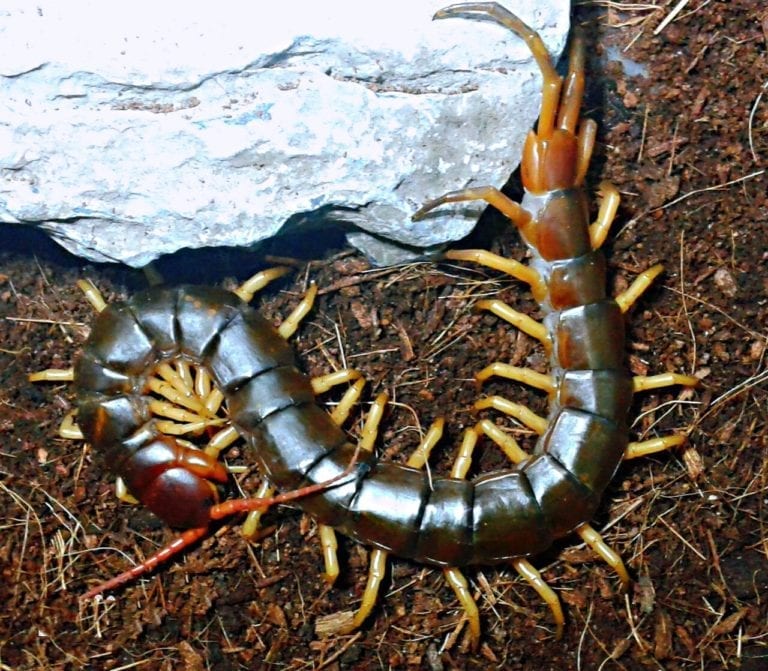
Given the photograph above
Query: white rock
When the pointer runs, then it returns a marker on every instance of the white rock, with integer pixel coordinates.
(130, 130)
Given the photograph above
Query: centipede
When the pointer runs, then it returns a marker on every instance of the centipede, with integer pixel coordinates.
(170, 364)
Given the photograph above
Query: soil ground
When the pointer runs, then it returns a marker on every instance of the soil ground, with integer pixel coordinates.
(687, 145)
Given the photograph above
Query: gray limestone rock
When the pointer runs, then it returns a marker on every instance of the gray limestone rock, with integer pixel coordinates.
(129, 131)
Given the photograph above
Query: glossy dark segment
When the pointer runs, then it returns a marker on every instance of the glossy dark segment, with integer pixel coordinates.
(267, 393)
(507, 520)
(590, 337)
(289, 443)
(445, 533)
(247, 346)
(578, 281)
(590, 447)
(564, 501)
(118, 342)
(607, 393)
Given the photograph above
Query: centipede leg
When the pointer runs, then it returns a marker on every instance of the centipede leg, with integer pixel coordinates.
(525, 569)
(509, 266)
(643, 448)
(94, 297)
(122, 493)
(644, 383)
(339, 415)
(378, 558)
(522, 321)
(69, 429)
(248, 289)
(531, 574)
(489, 194)
(595, 541)
(453, 576)
(609, 205)
(516, 410)
(653, 445)
(92, 294)
(524, 375)
(628, 297)
(292, 321)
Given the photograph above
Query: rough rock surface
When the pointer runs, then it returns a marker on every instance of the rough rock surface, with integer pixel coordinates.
(131, 131)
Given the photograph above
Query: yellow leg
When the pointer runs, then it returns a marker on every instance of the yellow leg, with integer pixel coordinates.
(455, 578)
(324, 383)
(522, 321)
(350, 398)
(627, 298)
(330, 547)
(609, 204)
(171, 393)
(644, 383)
(378, 558)
(177, 376)
(524, 375)
(490, 194)
(516, 410)
(534, 579)
(652, 446)
(221, 440)
(377, 569)
(92, 294)
(507, 443)
(213, 401)
(172, 411)
(122, 493)
(69, 429)
(604, 551)
(250, 528)
(52, 375)
(292, 321)
(463, 459)
(258, 281)
(509, 266)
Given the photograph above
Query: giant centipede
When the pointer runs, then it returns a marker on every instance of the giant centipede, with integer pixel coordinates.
(207, 344)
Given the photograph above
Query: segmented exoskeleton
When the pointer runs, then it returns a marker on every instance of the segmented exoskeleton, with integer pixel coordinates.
(449, 522)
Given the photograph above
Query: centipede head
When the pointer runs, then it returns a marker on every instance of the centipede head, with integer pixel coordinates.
(180, 484)
(550, 164)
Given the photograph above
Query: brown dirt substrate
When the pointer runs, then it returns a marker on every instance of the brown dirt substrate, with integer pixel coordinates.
(685, 145)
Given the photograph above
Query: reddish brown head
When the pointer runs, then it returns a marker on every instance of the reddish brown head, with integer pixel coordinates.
(177, 483)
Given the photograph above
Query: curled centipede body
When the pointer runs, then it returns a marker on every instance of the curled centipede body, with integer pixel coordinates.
(449, 522)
